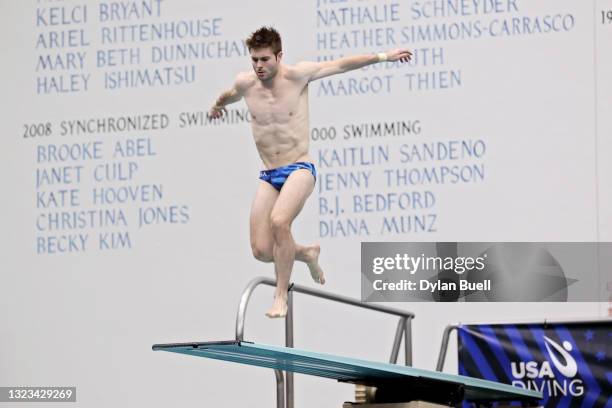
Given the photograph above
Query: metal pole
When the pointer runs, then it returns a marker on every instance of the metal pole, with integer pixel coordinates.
(289, 343)
(280, 389)
(408, 340)
(444, 346)
(397, 341)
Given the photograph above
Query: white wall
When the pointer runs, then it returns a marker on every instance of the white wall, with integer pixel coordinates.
(538, 102)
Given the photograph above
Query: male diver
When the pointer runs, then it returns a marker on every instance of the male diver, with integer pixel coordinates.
(276, 95)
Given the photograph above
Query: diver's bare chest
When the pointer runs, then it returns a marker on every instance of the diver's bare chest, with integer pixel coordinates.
(272, 105)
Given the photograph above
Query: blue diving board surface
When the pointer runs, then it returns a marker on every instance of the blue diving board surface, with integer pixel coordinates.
(419, 383)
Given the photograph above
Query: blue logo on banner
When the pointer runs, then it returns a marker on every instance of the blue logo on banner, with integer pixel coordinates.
(571, 364)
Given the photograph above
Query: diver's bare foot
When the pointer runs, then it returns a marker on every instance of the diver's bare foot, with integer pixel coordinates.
(279, 308)
(312, 261)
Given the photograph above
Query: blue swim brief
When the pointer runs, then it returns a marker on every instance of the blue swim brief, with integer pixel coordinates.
(277, 177)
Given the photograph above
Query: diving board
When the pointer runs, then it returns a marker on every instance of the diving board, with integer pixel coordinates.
(396, 383)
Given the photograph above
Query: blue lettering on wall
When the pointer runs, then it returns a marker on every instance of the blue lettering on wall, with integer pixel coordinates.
(344, 181)
(62, 39)
(330, 207)
(60, 84)
(342, 86)
(127, 194)
(346, 227)
(139, 147)
(59, 244)
(442, 150)
(61, 15)
(128, 10)
(150, 77)
(171, 214)
(385, 202)
(358, 15)
(353, 156)
(58, 175)
(58, 198)
(114, 240)
(61, 61)
(459, 8)
(118, 57)
(464, 173)
(51, 153)
(358, 38)
(81, 219)
(162, 31)
(407, 224)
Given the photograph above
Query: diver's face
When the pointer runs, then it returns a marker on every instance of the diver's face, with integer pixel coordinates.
(265, 63)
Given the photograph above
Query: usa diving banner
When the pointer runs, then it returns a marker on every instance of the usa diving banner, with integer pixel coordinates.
(570, 363)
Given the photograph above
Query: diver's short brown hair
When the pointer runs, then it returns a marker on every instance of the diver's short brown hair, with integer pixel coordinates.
(265, 37)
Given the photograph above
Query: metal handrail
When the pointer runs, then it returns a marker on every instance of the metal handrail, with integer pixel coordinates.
(444, 346)
(404, 328)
